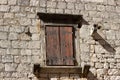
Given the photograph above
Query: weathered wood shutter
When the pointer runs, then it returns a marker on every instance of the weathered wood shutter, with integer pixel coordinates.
(59, 44)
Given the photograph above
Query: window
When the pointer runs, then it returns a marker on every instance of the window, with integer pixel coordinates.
(60, 46)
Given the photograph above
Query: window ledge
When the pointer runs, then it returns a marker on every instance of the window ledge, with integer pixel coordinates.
(62, 69)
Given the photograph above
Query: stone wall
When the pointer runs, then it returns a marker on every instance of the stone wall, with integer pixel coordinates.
(22, 40)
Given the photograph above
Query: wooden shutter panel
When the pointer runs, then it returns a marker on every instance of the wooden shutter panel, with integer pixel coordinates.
(66, 41)
(53, 48)
(59, 44)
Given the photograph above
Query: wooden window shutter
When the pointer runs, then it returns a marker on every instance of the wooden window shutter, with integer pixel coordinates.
(66, 42)
(59, 45)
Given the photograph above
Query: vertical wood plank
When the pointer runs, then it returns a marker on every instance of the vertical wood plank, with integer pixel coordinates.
(66, 45)
(53, 48)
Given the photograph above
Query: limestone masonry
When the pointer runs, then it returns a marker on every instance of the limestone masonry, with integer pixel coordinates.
(22, 40)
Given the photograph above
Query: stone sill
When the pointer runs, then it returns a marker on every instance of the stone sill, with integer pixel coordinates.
(61, 69)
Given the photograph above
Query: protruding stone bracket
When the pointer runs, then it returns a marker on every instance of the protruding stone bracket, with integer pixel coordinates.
(85, 71)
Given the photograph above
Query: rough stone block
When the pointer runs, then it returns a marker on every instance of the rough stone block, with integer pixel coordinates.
(26, 59)
(115, 26)
(84, 32)
(5, 74)
(43, 3)
(101, 71)
(17, 29)
(111, 2)
(117, 56)
(99, 49)
(36, 52)
(85, 56)
(110, 8)
(12, 2)
(36, 59)
(110, 34)
(13, 36)
(111, 60)
(66, 78)
(1, 22)
(67, 11)
(7, 58)
(34, 44)
(113, 65)
(2, 67)
(51, 4)
(35, 37)
(19, 15)
(1, 15)
(84, 47)
(34, 2)
(118, 65)
(113, 71)
(31, 15)
(24, 2)
(34, 29)
(3, 51)
(10, 66)
(70, 0)
(98, 1)
(118, 8)
(3, 1)
(20, 44)
(61, 5)
(3, 35)
(94, 58)
(117, 50)
(101, 7)
(15, 9)
(9, 15)
(70, 6)
(24, 36)
(118, 35)
(90, 7)
(92, 48)
(41, 10)
(79, 6)
(4, 28)
(53, 78)
(0, 58)
(106, 65)
(24, 68)
(99, 65)
(4, 8)
(50, 10)
(13, 51)
(17, 59)
(25, 52)
(25, 21)
(116, 77)
(5, 44)
(75, 12)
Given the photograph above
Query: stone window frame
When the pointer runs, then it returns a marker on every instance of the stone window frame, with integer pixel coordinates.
(76, 41)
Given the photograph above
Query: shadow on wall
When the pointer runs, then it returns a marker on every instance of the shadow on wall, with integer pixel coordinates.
(103, 43)
(91, 76)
